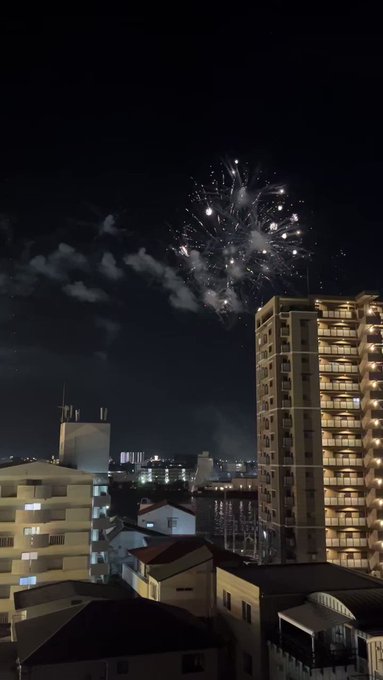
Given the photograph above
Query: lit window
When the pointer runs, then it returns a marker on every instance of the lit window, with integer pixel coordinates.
(29, 556)
(31, 531)
(28, 581)
(33, 506)
(150, 525)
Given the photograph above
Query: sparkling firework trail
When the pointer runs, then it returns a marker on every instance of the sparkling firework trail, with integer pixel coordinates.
(240, 235)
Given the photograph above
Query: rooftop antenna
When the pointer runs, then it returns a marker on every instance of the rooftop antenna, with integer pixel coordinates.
(62, 407)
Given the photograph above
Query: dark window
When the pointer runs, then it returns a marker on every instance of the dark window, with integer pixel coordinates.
(172, 522)
(362, 648)
(193, 663)
(227, 600)
(122, 667)
(184, 589)
(75, 601)
(246, 611)
(247, 661)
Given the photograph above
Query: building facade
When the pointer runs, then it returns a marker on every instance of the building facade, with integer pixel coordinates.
(51, 524)
(85, 446)
(345, 348)
(166, 518)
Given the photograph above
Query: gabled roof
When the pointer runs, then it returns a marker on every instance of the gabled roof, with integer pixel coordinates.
(107, 629)
(40, 469)
(177, 547)
(162, 504)
(61, 590)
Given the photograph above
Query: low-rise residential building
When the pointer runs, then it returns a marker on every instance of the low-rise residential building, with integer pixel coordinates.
(179, 571)
(122, 537)
(251, 601)
(113, 640)
(167, 517)
(52, 520)
(332, 636)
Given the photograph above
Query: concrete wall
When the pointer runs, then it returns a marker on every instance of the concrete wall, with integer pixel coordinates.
(200, 601)
(185, 522)
(247, 636)
(167, 665)
(85, 446)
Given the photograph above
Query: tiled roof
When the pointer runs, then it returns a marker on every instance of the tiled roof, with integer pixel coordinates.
(175, 548)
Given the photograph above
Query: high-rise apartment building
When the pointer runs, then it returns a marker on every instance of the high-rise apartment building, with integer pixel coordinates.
(346, 350)
(51, 528)
(84, 445)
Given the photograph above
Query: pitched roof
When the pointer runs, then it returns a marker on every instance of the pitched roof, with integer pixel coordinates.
(177, 547)
(365, 605)
(51, 592)
(140, 626)
(161, 504)
(303, 578)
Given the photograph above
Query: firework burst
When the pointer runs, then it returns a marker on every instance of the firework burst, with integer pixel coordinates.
(239, 236)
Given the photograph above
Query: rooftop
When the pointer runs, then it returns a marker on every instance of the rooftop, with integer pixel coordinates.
(61, 590)
(173, 549)
(366, 606)
(162, 504)
(140, 626)
(274, 579)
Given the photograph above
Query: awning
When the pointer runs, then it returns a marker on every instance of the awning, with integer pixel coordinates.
(312, 618)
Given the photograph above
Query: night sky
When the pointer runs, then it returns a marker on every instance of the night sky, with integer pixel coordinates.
(112, 117)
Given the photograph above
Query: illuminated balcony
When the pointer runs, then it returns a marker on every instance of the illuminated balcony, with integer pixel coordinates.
(339, 386)
(345, 522)
(337, 368)
(338, 350)
(346, 542)
(351, 564)
(330, 423)
(342, 461)
(340, 442)
(336, 333)
(337, 314)
(340, 404)
(343, 481)
(344, 501)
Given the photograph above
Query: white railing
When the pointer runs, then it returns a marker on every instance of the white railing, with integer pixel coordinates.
(343, 481)
(340, 422)
(336, 349)
(340, 403)
(342, 462)
(337, 333)
(341, 500)
(346, 542)
(337, 368)
(341, 441)
(345, 522)
(351, 564)
(342, 314)
(339, 386)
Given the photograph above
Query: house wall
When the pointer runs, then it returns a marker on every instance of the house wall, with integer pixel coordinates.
(167, 665)
(247, 635)
(200, 600)
(120, 545)
(158, 520)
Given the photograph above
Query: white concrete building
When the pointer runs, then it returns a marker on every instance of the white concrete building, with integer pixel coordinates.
(167, 518)
(51, 523)
(205, 465)
(180, 572)
(133, 639)
(85, 446)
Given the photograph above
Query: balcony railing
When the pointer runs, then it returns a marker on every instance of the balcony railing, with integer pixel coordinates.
(337, 368)
(337, 314)
(340, 422)
(337, 333)
(339, 386)
(346, 501)
(340, 404)
(341, 441)
(343, 481)
(322, 657)
(342, 462)
(346, 542)
(345, 522)
(351, 564)
(342, 350)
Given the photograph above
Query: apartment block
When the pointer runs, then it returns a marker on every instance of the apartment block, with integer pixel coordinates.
(346, 349)
(291, 506)
(51, 528)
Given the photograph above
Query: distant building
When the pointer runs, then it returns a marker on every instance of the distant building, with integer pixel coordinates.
(123, 537)
(253, 599)
(85, 446)
(205, 466)
(52, 519)
(163, 473)
(132, 457)
(115, 640)
(179, 571)
(167, 518)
